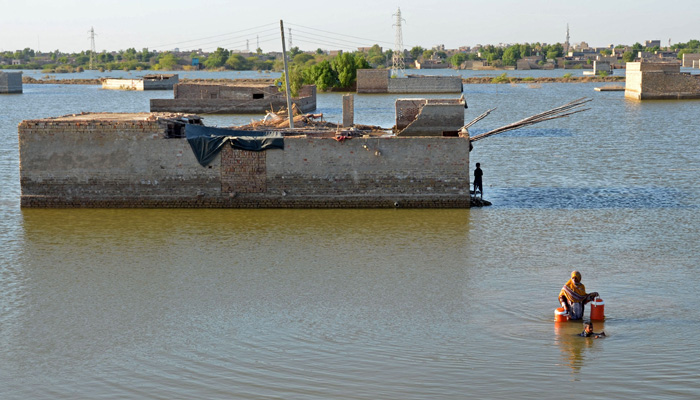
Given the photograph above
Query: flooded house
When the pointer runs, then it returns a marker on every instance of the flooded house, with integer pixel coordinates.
(232, 98)
(148, 82)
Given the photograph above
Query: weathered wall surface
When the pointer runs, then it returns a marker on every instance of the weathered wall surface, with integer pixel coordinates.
(660, 81)
(10, 82)
(149, 82)
(372, 81)
(429, 117)
(122, 84)
(691, 60)
(378, 81)
(426, 84)
(225, 99)
(79, 163)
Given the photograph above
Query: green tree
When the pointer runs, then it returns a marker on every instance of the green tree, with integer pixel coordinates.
(361, 63)
(293, 52)
(427, 54)
(637, 47)
(628, 56)
(302, 58)
(457, 59)
(166, 61)
(217, 59)
(416, 52)
(237, 62)
(345, 68)
(511, 55)
(322, 75)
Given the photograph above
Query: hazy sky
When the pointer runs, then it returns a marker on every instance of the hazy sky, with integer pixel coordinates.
(208, 24)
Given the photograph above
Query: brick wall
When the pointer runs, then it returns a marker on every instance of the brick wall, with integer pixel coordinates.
(660, 81)
(101, 163)
(372, 80)
(378, 81)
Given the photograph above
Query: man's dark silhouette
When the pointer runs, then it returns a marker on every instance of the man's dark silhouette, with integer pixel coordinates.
(478, 173)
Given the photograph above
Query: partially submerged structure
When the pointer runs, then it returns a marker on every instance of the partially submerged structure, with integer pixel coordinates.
(148, 82)
(10, 82)
(660, 81)
(173, 160)
(232, 98)
(429, 117)
(381, 81)
(144, 160)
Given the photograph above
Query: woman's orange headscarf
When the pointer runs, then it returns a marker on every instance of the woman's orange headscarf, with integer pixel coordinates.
(574, 292)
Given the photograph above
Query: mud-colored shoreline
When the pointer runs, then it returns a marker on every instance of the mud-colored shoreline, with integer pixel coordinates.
(475, 80)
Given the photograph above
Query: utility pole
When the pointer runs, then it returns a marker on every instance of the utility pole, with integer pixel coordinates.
(286, 78)
(566, 44)
(92, 46)
(397, 63)
(290, 39)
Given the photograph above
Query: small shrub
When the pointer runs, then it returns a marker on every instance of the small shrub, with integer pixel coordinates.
(503, 78)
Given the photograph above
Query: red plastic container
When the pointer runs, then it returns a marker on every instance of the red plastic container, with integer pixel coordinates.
(560, 315)
(597, 309)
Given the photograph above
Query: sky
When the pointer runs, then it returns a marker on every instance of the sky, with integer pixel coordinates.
(337, 25)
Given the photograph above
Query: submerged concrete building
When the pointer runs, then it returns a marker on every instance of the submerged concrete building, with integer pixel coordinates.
(232, 98)
(380, 81)
(148, 82)
(660, 81)
(10, 82)
(146, 160)
(429, 117)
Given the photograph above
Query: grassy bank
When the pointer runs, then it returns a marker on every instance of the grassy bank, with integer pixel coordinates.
(478, 80)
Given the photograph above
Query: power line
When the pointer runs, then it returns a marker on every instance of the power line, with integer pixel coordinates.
(216, 36)
(340, 34)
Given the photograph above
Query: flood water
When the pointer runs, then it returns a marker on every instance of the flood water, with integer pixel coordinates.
(372, 304)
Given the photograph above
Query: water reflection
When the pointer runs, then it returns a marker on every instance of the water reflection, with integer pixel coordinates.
(574, 348)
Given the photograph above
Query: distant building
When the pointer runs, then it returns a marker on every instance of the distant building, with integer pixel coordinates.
(652, 43)
(691, 60)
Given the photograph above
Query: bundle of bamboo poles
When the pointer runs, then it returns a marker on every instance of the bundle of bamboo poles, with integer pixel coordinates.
(558, 112)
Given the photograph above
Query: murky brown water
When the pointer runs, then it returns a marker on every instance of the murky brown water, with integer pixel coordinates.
(366, 304)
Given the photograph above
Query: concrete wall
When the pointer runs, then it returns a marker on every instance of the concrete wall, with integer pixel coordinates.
(689, 58)
(426, 84)
(229, 99)
(148, 82)
(429, 117)
(98, 161)
(122, 84)
(660, 81)
(379, 81)
(10, 82)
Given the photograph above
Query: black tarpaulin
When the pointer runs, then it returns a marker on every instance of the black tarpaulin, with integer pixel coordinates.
(206, 142)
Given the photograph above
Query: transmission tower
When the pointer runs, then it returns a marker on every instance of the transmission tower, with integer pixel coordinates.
(397, 63)
(257, 42)
(247, 46)
(290, 38)
(566, 44)
(92, 46)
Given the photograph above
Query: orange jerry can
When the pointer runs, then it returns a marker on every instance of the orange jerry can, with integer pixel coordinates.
(560, 315)
(597, 309)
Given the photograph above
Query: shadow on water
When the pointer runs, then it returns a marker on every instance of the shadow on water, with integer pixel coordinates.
(587, 198)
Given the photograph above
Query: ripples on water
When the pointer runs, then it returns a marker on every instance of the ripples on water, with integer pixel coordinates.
(362, 304)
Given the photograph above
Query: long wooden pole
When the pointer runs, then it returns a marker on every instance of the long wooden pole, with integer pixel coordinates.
(286, 79)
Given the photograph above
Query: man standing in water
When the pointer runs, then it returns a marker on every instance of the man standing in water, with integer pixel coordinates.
(478, 173)
(573, 296)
